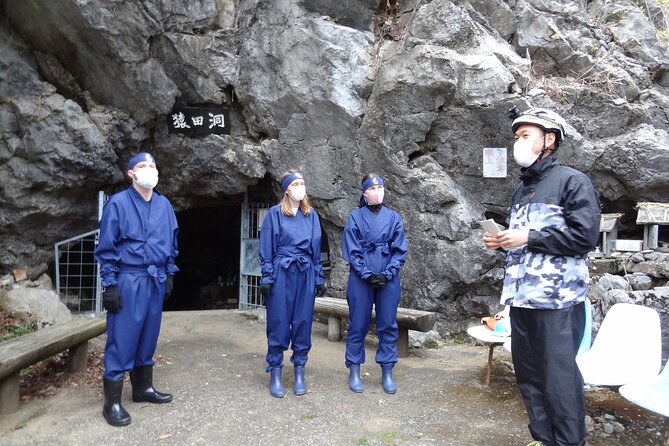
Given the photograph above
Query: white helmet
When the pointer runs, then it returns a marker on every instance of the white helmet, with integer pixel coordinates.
(541, 117)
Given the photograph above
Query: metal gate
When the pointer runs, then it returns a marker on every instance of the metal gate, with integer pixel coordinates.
(253, 215)
(78, 282)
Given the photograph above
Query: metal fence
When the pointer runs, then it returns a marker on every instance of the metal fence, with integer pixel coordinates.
(253, 214)
(78, 283)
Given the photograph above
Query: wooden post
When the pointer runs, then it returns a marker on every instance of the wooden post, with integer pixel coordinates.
(489, 367)
(403, 342)
(334, 329)
(650, 236)
(77, 358)
(9, 393)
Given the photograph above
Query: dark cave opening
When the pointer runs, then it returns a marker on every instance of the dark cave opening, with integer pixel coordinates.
(210, 251)
(208, 261)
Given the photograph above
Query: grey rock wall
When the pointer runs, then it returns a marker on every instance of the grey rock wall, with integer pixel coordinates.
(641, 279)
(413, 90)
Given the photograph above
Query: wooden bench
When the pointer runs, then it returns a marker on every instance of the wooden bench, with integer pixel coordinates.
(407, 319)
(23, 351)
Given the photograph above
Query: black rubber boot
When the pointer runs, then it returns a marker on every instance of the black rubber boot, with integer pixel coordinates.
(142, 387)
(113, 412)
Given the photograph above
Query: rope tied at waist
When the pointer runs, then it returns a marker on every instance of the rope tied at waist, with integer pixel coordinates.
(157, 273)
(383, 247)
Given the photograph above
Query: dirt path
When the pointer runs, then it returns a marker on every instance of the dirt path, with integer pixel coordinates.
(214, 364)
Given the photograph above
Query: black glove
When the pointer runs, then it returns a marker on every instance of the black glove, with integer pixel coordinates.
(320, 290)
(169, 286)
(376, 280)
(372, 281)
(111, 299)
(381, 280)
(265, 289)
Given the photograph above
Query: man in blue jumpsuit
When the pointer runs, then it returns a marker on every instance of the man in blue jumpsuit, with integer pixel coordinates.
(136, 252)
(553, 224)
(375, 247)
(292, 275)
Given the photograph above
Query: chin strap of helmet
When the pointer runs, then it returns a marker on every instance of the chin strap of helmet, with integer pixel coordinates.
(544, 149)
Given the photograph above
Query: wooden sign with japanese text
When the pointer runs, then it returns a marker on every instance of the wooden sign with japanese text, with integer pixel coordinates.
(199, 121)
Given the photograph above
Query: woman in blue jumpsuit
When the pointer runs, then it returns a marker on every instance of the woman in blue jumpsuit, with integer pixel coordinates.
(136, 251)
(375, 247)
(290, 262)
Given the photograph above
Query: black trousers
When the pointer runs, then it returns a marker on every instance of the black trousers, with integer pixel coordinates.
(544, 345)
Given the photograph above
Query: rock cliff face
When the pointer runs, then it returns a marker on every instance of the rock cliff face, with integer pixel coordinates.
(412, 89)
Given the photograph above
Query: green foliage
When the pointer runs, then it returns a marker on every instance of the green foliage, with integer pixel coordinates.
(388, 437)
(15, 332)
(307, 417)
(28, 371)
(362, 440)
(460, 338)
(430, 344)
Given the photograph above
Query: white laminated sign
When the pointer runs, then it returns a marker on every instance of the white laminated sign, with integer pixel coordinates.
(494, 162)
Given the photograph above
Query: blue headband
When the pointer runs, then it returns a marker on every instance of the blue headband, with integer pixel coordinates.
(140, 158)
(289, 179)
(369, 182)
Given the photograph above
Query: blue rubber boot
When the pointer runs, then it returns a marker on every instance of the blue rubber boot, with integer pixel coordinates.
(275, 386)
(300, 387)
(387, 380)
(354, 381)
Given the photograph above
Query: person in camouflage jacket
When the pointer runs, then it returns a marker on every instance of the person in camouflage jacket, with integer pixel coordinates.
(553, 224)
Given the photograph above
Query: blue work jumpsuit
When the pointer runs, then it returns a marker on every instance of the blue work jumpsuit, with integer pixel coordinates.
(136, 251)
(290, 260)
(373, 244)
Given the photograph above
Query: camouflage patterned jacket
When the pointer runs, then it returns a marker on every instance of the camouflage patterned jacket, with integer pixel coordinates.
(560, 208)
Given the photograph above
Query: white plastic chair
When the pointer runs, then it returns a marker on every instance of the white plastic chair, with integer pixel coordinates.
(587, 332)
(652, 394)
(628, 347)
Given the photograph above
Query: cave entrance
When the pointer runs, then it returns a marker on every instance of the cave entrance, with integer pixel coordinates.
(211, 250)
(218, 252)
(208, 259)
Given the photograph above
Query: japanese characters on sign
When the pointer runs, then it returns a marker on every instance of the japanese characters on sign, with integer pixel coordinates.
(199, 121)
(494, 162)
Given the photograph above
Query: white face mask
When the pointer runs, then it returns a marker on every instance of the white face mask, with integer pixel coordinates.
(146, 177)
(374, 196)
(523, 154)
(297, 193)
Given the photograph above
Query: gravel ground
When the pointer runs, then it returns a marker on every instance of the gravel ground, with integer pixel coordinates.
(213, 363)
